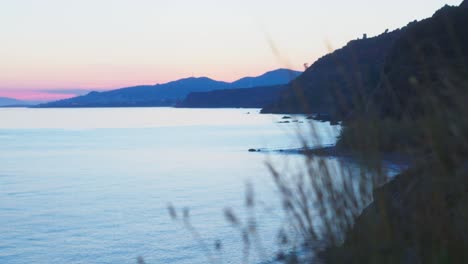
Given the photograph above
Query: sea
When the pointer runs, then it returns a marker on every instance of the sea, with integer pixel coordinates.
(93, 185)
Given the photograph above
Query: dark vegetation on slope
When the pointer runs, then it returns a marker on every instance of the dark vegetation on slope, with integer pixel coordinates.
(424, 83)
(335, 83)
(426, 67)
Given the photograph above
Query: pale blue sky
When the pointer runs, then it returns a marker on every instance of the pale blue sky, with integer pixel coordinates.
(97, 44)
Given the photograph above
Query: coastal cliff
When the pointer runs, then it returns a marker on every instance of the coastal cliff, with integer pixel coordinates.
(419, 108)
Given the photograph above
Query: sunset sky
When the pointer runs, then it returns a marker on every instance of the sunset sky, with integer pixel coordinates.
(51, 49)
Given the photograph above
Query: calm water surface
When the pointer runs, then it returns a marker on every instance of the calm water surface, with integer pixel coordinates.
(92, 185)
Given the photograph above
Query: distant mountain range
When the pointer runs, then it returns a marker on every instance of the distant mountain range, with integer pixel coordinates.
(169, 94)
(5, 101)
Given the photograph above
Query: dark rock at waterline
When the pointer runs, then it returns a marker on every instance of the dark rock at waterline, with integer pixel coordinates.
(255, 150)
(286, 117)
(323, 117)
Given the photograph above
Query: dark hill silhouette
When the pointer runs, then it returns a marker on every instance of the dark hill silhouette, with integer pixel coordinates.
(276, 77)
(266, 90)
(256, 97)
(333, 84)
(167, 94)
(384, 71)
(427, 66)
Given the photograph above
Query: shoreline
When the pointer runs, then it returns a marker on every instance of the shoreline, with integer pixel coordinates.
(394, 161)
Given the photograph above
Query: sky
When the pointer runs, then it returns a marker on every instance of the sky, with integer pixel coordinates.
(53, 49)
